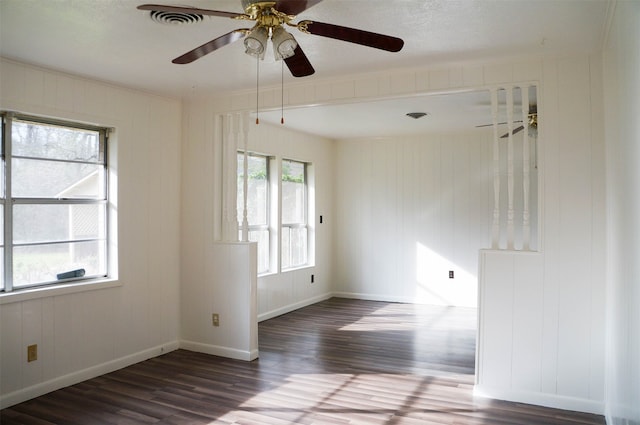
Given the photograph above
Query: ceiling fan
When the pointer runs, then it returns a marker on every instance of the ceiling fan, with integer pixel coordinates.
(270, 18)
(532, 122)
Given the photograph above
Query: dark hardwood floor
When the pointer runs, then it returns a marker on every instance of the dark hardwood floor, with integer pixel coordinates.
(336, 362)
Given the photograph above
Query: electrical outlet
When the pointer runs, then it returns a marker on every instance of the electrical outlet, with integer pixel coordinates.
(215, 319)
(32, 353)
(450, 274)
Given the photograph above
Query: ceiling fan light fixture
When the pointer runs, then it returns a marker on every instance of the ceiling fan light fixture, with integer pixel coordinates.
(416, 115)
(284, 44)
(255, 42)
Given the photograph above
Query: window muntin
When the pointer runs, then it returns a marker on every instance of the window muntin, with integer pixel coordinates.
(294, 237)
(257, 204)
(55, 175)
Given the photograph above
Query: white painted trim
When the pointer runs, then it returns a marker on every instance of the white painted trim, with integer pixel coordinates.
(375, 297)
(295, 306)
(217, 350)
(42, 388)
(385, 298)
(57, 290)
(541, 399)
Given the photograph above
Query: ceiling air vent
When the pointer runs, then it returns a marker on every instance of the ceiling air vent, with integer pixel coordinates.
(175, 18)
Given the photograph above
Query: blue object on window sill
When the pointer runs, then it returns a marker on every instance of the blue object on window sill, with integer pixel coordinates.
(70, 274)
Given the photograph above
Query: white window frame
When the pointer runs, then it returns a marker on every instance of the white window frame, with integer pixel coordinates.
(8, 201)
(268, 200)
(288, 227)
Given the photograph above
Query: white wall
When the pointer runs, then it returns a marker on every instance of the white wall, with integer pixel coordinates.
(202, 205)
(541, 336)
(279, 293)
(622, 109)
(409, 210)
(83, 333)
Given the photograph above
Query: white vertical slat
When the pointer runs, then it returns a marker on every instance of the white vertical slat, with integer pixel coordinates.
(245, 183)
(226, 137)
(232, 161)
(218, 188)
(495, 234)
(229, 178)
(510, 176)
(526, 183)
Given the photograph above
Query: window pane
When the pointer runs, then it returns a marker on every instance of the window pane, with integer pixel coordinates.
(262, 237)
(298, 246)
(257, 189)
(2, 269)
(293, 186)
(49, 141)
(294, 247)
(2, 194)
(51, 223)
(48, 179)
(2, 171)
(1, 247)
(41, 263)
(285, 248)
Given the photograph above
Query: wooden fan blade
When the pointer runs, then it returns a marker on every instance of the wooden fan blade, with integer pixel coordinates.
(298, 64)
(294, 7)
(178, 9)
(515, 131)
(210, 46)
(352, 35)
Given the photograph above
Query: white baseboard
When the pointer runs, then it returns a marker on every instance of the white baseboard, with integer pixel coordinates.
(217, 350)
(291, 307)
(541, 399)
(374, 297)
(42, 388)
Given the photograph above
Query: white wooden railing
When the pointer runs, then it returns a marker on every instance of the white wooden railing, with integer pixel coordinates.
(235, 136)
(515, 221)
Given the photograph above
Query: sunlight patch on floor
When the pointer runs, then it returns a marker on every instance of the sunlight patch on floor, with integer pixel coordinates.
(333, 396)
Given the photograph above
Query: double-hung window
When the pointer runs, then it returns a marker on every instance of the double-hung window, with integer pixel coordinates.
(258, 205)
(54, 202)
(294, 237)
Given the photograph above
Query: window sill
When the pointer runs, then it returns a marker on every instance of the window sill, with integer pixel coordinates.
(56, 290)
(293, 269)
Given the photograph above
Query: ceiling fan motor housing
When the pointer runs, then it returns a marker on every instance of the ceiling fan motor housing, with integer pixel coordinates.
(256, 9)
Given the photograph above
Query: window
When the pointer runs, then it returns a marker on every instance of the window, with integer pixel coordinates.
(54, 202)
(262, 212)
(294, 238)
(257, 204)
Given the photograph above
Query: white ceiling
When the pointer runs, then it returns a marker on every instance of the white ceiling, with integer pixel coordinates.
(111, 40)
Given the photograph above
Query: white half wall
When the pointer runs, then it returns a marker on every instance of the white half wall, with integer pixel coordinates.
(84, 331)
(227, 288)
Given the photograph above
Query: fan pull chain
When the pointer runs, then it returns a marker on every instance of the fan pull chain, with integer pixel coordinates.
(257, 87)
(282, 92)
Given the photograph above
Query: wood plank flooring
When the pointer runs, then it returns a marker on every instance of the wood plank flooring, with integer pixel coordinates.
(336, 362)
